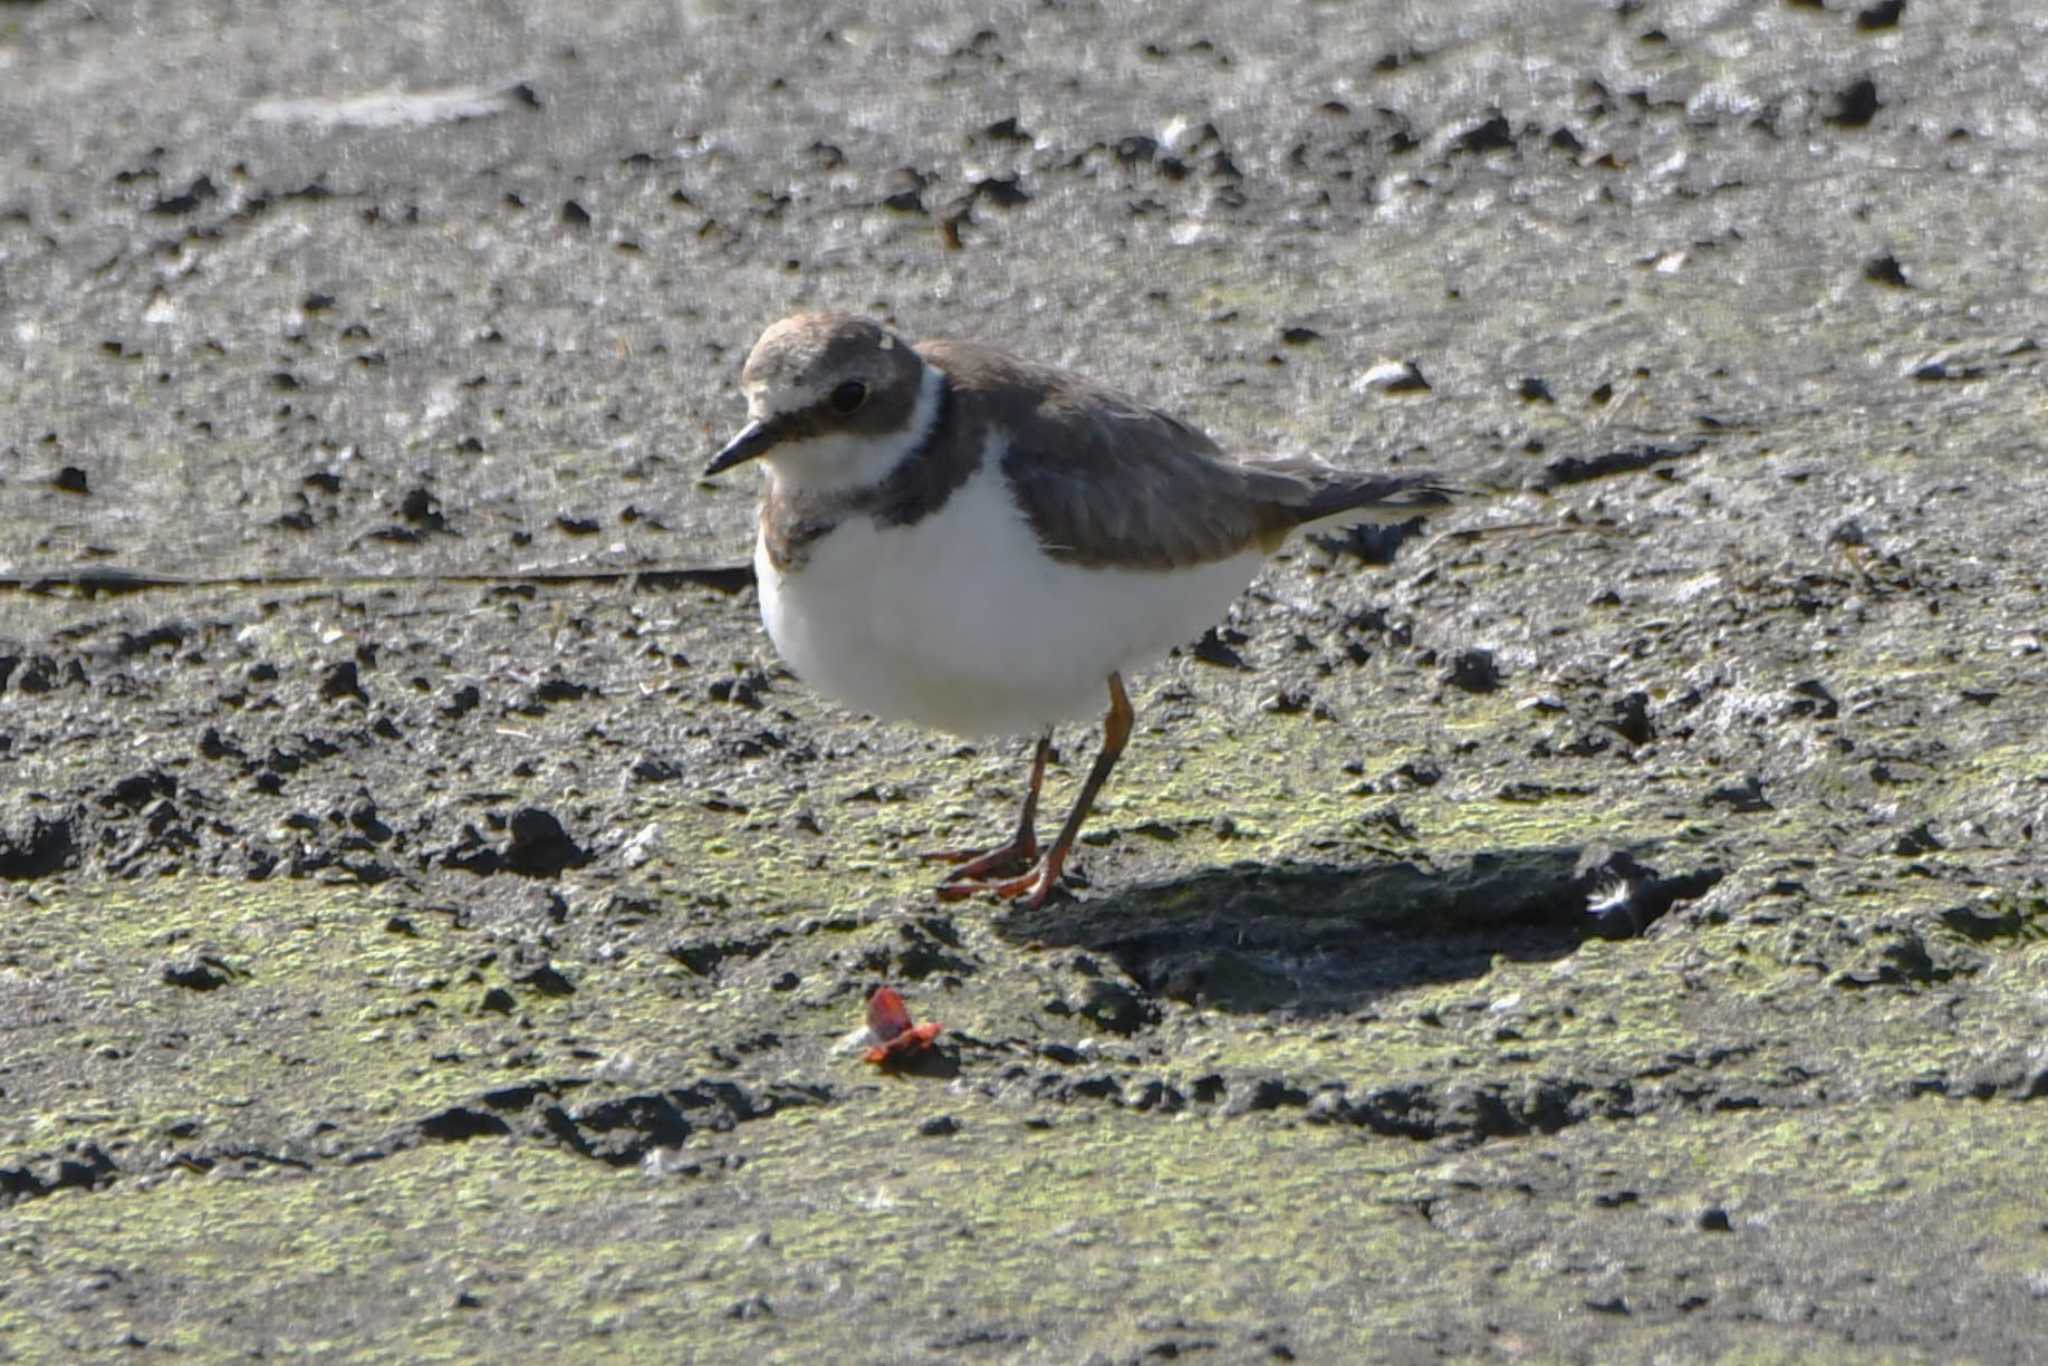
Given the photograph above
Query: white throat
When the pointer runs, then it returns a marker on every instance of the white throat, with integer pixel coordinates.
(842, 461)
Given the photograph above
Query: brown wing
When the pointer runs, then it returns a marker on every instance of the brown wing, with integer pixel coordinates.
(1105, 480)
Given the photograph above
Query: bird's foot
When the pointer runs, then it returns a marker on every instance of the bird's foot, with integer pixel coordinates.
(1028, 892)
(977, 864)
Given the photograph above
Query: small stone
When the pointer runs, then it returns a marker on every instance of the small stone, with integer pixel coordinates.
(1393, 377)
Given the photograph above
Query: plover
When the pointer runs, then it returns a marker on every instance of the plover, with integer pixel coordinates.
(975, 543)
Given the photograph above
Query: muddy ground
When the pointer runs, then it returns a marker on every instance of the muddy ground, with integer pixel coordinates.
(1618, 938)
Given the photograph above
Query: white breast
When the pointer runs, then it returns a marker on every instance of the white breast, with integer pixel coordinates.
(962, 623)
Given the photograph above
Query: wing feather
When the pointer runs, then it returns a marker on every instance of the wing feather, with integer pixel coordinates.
(1107, 481)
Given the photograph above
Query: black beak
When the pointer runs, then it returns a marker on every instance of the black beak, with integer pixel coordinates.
(754, 439)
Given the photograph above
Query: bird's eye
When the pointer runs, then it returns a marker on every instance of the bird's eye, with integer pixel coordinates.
(848, 397)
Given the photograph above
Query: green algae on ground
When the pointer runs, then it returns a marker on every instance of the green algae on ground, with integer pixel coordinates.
(1311, 1238)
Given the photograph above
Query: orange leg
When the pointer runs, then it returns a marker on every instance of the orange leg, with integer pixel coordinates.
(1033, 887)
(1023, 846)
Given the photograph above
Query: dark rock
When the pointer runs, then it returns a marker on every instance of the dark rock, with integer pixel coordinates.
(1003, 192)
(342, 681)
(540, 847)
(1886, 270)
(83, 1166)
(1211, 649)
(1574, 469)
(1746, 796)
(458, 1123)
(139, 790)
(1474, 671)
(1494, 135)
(1919, 840)
(1855, 104)
(1982, 922)
(422, 509)
(746, 690)
(621, 1132)
(1267, 1093)
(1116, 1008)
(1631, 719)
(1136, 150)
(185, 201)
(197, 972)
(547, 980)
(1815, 701)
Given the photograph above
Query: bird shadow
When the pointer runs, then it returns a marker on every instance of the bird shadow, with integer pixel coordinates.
(1324, 939)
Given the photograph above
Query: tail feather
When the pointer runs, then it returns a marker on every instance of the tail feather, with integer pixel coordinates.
(1314, 496)
(1379, 498)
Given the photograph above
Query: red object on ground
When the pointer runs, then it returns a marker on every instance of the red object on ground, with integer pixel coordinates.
(896, 1038)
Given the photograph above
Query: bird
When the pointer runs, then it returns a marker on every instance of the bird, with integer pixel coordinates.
(979, 544)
